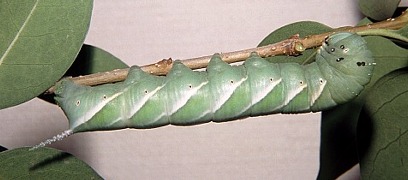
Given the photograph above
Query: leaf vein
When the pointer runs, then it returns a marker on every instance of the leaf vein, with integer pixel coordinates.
(389, 101)
(397, 139)
(18, 33)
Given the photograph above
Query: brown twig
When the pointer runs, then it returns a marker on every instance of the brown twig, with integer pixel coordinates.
(291, 46)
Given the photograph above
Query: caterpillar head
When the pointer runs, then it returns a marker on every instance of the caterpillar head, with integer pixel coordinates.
(348, 53)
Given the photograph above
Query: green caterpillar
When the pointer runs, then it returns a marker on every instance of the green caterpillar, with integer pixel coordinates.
(222, 93)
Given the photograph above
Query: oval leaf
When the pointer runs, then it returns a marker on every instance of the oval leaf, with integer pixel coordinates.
(43, 163)
(378, 10)
(383, 138)
(39, 41)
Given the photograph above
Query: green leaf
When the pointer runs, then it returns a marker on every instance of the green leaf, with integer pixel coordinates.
(378, 10)
(383, 137)
(39, 40)
(403, 31)
(338, 143)
(364, 21)
(43, 163)
(388, 56)
(303, 28)
(90, 60)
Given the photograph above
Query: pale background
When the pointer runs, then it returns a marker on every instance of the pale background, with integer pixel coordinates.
(144, 31)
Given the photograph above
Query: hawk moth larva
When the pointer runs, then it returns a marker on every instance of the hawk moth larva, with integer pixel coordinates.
(222, 93)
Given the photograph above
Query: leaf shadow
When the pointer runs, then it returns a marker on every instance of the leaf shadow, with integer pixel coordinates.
(338, 146)
(364, 133)
(57, 158)
(2, 148)
(83, 63)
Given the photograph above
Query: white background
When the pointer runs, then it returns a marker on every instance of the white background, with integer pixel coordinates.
(145, 31)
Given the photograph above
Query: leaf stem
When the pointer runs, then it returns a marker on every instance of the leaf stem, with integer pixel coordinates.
(385, 33)
(291, 46)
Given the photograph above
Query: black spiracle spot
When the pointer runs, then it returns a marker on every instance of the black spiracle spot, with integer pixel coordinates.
(339, 59)
(326, 40)
(321, 81)
(332, 49)
(342, 47)
(361, 63)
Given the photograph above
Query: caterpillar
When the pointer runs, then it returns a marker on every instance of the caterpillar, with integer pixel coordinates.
(221, 93)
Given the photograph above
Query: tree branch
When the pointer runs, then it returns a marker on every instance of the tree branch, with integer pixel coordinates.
(291, 46)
